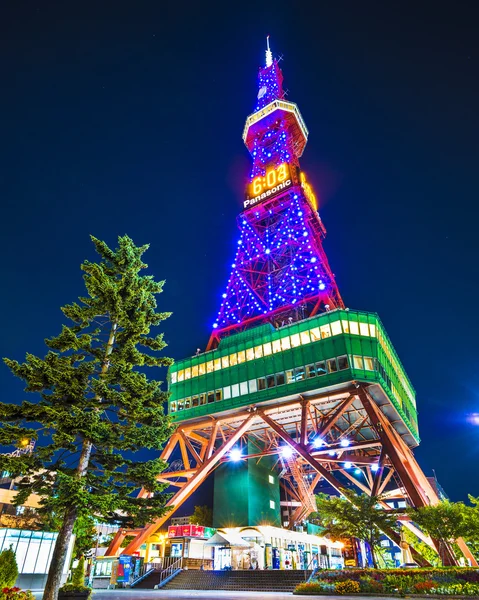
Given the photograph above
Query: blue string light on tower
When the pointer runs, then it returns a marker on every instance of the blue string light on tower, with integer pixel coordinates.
(280, 272)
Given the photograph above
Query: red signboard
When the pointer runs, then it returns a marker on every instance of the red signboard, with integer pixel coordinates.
(196, 531)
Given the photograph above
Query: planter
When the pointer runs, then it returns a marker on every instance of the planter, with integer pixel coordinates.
(74, 595)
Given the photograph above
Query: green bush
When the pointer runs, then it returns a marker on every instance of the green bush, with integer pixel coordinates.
(8, 568)
(77, 584)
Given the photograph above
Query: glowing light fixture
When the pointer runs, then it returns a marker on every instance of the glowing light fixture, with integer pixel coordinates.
(318, 442)
(287, 451)
(235, 455)
(347, 465)
(374, 467)
(345, 443)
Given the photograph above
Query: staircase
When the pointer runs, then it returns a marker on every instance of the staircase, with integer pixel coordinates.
(248, 581)
(149, 582)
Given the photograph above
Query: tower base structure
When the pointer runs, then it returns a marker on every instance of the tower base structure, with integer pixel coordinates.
(350, 425)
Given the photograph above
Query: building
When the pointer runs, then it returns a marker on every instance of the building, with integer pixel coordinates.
(294, 388)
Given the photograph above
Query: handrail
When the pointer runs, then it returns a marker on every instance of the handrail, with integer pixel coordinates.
(313, 571)
(169, 572)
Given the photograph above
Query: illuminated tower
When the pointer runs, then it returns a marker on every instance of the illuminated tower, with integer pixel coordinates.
(280, 272)
(295, 389)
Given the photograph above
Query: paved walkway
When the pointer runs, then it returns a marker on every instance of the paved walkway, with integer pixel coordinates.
(204, 594)
(213, 594)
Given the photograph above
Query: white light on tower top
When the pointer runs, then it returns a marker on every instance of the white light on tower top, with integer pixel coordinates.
(269, 54)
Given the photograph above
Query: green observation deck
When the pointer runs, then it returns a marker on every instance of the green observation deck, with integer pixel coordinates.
(319, 355)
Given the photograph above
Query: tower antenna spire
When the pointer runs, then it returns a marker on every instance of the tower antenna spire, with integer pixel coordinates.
(269, 54)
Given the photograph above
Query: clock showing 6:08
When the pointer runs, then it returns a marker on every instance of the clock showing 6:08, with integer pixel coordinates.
(271, 183)
(270, 179)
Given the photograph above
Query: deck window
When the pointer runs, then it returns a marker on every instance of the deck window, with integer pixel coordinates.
(270, 381)
(354, 327)
(295, 340)
(336, 328)
(201, 369)
(315, 334)
(209, 366)
(211, 397)
(202, 399)
(368, 363)
(267, 350)
(261, 382)
(332, 365)
(225, 362)
(187, 373)
(280, 378)
(358, 362)
(174, 377)
(217, 364)
(233, 359)
(235, 390)
(195, 401)
(325, 331)
(250, 354)
(305, 339)
(258, 351)
(342, 363)
(285, 343)
(172, 407)
(276, 346)
(311, 370)
(321, 368)
(364, 329)
(241, 357)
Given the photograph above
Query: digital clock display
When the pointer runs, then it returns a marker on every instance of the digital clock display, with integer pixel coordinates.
(264, 186)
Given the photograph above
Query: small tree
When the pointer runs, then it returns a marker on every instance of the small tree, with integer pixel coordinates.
(77, 583)
(96, 409)
(444, 522)
(202, 515)
(8, 568)
(355, 515)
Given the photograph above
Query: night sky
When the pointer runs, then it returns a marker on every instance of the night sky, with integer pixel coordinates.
(126, 117)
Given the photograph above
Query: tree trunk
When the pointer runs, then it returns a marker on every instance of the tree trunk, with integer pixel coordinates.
(59, 555)
(373, 555)
(64, 535)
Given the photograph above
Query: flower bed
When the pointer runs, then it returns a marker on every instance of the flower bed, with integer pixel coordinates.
(450, 581)
(15, 593)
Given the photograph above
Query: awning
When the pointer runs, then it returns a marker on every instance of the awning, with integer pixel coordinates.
(227, 539)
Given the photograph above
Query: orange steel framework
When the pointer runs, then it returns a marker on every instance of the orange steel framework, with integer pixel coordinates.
(379, 455)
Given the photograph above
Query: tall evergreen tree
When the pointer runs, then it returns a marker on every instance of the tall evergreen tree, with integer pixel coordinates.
(96, 410)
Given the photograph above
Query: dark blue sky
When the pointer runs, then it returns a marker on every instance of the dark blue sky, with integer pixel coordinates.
(126, 117)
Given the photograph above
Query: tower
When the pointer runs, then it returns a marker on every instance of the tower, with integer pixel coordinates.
(290, 377)
(280, 272)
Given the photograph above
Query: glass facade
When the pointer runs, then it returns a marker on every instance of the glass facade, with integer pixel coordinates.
(33, 549)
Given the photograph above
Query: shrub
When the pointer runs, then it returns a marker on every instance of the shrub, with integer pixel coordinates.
(370, 585)
(347, 587)
(15, 593)
(8, 568)
(77, 584)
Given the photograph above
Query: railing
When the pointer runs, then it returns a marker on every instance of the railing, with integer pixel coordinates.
(169, 572)
(315, 557)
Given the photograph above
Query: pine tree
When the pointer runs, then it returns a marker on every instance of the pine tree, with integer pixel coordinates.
(97, 408)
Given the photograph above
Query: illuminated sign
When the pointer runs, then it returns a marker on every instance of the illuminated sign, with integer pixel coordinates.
(195, 531)
(264, 186)
(308, 191)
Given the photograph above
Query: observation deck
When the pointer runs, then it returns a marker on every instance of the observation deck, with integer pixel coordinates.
(325, 355)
